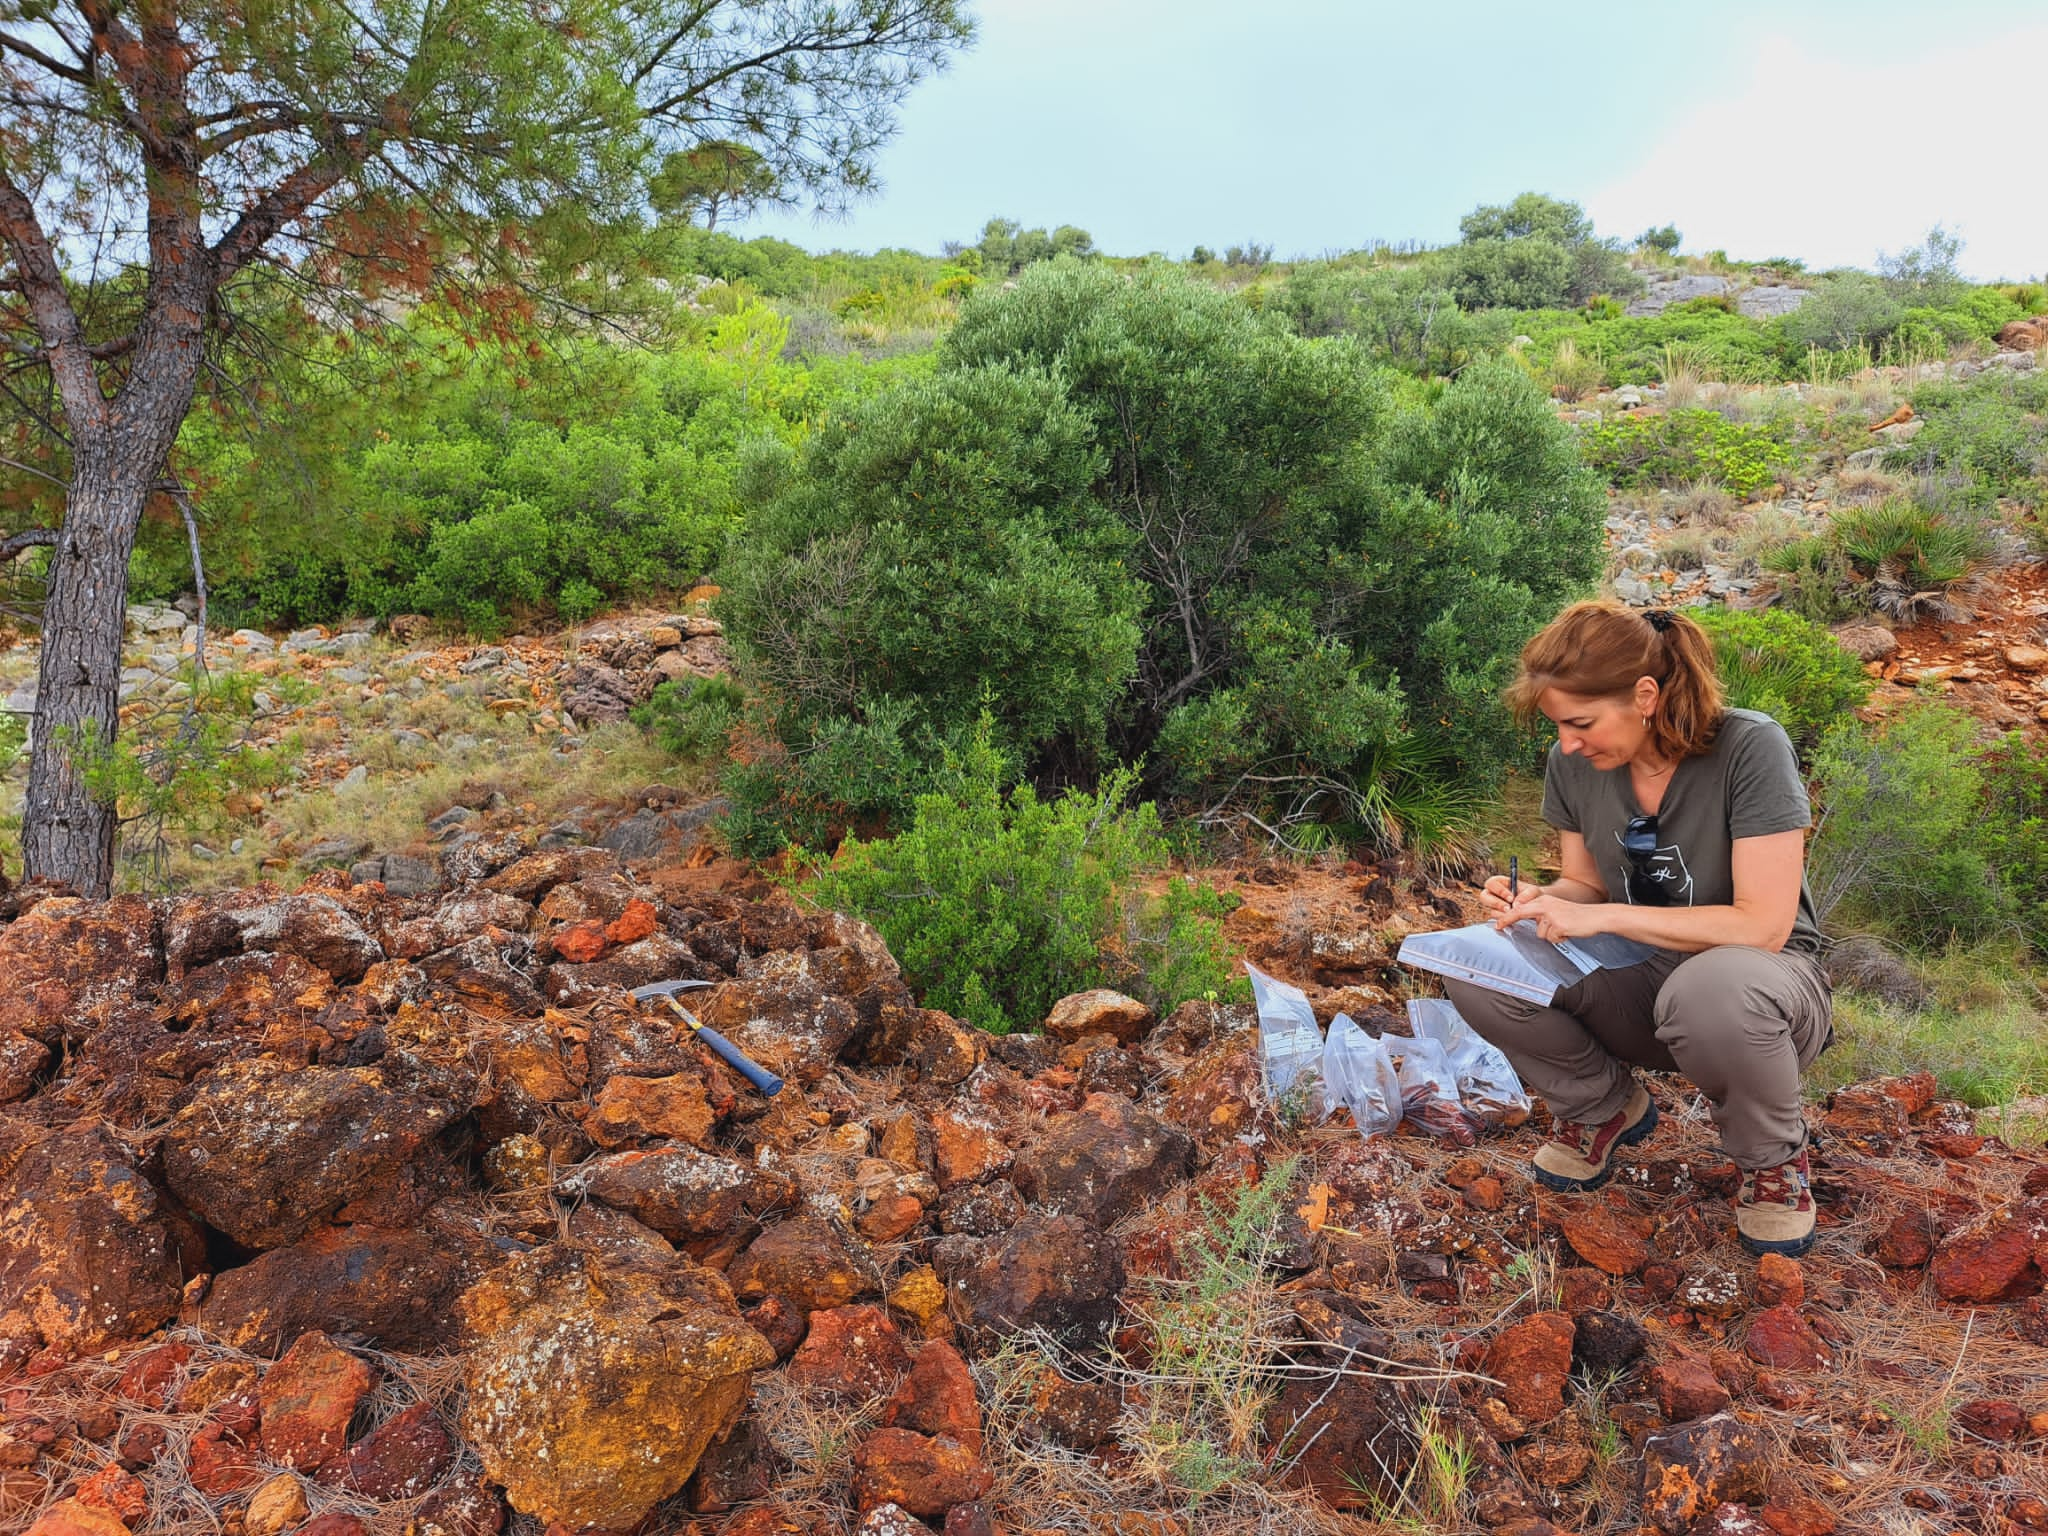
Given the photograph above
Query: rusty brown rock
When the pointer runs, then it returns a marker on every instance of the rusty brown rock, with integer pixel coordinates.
(1780, 1337)
(923, 1474)
(1605, 1239)
(1780, 1281)
(593, 1387)
(217, 1464)
(1790, 1511)
(1103, 1161)
(400, 1459)
(22, 1060)
(88, 1254)
(810, 1262)
(1553, 1464)
(150, 1377)
(937, 1397)
(394, 1287)
(633, 1109)
(1998, 1420)
(1217, 1096)
(117, 1490)
(852, 1353)
(1909, 1240)
(1988, 1266)
(308, 1399)
(1081, 1415)
(1687, 1388)
(1532, 1360)
(679, 1191)
(931, 1047)
(1691, 1468)
(1099, 1012)
(69, 962)
(783, 1017)
(266, 1150)
(454, 919)
(1351, 1443)
(277, 1505)
(1867, 1119)
(75, 1517)
(535, 875)
(1052, 1272)
(967, 1146)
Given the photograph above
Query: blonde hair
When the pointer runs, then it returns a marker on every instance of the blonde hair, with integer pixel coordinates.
(1598, 650)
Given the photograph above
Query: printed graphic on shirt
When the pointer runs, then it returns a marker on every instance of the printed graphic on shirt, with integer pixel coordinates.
(1664, 871)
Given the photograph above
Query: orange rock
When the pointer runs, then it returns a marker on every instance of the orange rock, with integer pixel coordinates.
(967, 1147)
(1790, 1512)
(308, 1399)
(580, 943)
(73, 1517)
(116, 1490)
(1779, 1337)
(634, 924)
(1604, 1238)
(630, 1108)
(1780, 1280)
(1532, 1360)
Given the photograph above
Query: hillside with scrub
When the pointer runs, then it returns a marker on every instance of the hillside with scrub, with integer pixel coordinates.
(957, 667)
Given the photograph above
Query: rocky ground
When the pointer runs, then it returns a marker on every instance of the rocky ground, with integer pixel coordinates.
(337, 1210)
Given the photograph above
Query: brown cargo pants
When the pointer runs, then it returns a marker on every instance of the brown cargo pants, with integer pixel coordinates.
(1741, 1023)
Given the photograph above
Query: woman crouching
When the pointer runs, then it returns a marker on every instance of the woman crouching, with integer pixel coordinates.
(1682, 826)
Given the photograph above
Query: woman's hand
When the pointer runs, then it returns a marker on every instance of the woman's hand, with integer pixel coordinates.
(1494, 897)
(1554, 917)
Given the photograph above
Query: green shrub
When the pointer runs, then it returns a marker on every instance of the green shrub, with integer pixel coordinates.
(693, 722)
(2016, 829)
(1679, 447)
(1847, 309)
(937, 547)
(1900, 846)
(1791, 669)
(1993, 430)
(1405, 315)
(999, 903)
(1536, 253)
(476, 568)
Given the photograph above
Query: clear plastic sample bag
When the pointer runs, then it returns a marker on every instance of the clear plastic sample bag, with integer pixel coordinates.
(1488, 1084)
(1359, 1073)
(1290, 1042)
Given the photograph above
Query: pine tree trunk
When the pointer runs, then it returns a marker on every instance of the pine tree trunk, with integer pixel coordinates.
(67, 834)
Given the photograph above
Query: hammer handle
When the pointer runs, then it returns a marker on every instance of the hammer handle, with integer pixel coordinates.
(769, 1084)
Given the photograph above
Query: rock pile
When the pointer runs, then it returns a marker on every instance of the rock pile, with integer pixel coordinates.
(264, 1157)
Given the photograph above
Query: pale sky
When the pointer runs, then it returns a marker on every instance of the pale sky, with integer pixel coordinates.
(1823, 130)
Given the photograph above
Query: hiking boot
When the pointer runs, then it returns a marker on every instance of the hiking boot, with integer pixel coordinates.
(1581, 1156)
(1774, 1208)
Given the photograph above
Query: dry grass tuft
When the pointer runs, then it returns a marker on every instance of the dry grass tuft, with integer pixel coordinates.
(175, 1506)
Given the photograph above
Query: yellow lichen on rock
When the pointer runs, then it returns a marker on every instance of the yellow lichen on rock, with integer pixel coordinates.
(594, 1384)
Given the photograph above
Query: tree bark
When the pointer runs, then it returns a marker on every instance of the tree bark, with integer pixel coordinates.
(67, 833)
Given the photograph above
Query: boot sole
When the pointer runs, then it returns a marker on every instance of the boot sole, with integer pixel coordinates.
(1789, 1247)
(1566, 1185)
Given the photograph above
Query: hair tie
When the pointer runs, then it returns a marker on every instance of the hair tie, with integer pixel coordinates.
(1661, 619)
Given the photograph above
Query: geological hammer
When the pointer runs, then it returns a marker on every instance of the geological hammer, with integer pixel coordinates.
(732, 1055)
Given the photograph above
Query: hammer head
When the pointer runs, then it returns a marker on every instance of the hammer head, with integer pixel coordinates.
(664, 989)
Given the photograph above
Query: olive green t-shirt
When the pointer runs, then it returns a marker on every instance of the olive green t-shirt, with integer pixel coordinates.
(1746, 785)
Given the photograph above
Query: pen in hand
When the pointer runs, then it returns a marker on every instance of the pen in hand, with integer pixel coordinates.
(1514, 878)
